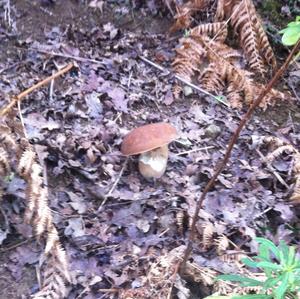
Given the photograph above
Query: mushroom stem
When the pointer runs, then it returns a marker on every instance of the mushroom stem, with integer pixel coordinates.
(152, 164)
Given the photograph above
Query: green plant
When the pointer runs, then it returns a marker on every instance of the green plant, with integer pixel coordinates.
(281, 267)
(291, 33)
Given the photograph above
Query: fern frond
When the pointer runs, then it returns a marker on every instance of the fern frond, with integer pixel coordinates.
(183, 18)
(279, 151)
(53, 286)
(281, 147)
(234, 96)
(222, 244)
(7, 140)
(295, 197)
(253, 39)
(217, 31)
(188, 58)
(207, 237)
(211, 80)
(224, 9)
(176, 90)
(4, 163)
(25, 163)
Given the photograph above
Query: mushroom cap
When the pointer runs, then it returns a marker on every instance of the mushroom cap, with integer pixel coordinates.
(147, 138)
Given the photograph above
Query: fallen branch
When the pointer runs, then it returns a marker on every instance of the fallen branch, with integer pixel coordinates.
(19, 97)
(227, 155)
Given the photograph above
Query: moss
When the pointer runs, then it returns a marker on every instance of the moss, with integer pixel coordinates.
(272, 10)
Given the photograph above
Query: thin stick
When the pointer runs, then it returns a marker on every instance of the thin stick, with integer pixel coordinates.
(51, 91)
(183, 80)
(194, 150)
(77, 58)
(19, 97)
(227, 155)
(114, 185)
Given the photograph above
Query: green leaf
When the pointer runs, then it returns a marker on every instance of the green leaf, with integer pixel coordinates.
(218, 297)
(293, 24)
(269, 265)
(291, 278)
(291, 256)
(291, 36)
(245, 281)
(248, 262)
(284, 253)
(268, 245)
(280, 291)
(253, 296)
(271, 282)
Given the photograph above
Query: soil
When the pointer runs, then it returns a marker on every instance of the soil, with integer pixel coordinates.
(35, 21)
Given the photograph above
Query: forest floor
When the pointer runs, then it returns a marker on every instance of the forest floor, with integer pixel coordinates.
(113, 233)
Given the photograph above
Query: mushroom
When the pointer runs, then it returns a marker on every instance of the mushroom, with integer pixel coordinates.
(151, 142)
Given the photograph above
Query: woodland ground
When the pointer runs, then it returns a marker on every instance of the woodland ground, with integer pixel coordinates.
(78, 124)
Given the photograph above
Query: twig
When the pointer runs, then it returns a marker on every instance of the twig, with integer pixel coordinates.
(263, 212)
(77, 58)
(114, 185)
(227, 155)
(19, 97)
(51, 91)
(183, 80)
(194, 150)
(38, 276)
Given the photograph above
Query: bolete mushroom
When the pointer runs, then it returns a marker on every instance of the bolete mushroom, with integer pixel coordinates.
(151, 143)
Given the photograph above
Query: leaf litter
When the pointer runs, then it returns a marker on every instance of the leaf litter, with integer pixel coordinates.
(134, 242)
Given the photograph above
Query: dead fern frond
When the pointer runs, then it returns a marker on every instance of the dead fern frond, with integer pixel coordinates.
(211, 80)
(234, 96)
(17, 154)
(253, 39)
(273, 141)
(279, 151)
(222, 244)
(183, 19)
(203, 275)
(233, 256)
(25, 163)
(163, 272)
(180, 215)
(207, 237)
(4, 163)
(176, 90)
(224, 9)
(188, 58)
(278, 147)
(217, 31)
(295, 197)
(7, 140)
(184, 16)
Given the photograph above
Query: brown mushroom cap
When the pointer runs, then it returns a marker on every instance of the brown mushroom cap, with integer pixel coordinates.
(147, 138)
